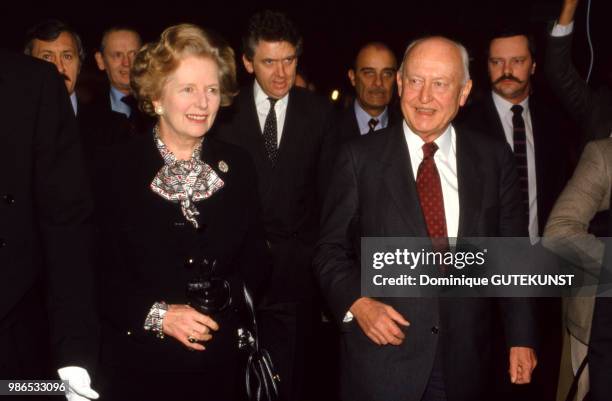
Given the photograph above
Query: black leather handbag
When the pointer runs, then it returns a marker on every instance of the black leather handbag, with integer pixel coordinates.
(261, 378)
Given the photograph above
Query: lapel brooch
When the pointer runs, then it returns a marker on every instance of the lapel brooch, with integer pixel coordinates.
(223, 167)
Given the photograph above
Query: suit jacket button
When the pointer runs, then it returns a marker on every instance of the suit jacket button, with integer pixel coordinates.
(2, 242)
(435, 330)
(8, 199)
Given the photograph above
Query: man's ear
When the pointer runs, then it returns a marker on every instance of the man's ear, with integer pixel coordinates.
(398, 76)
(533, 68)
(248, 64)
(99, 61)
(351, 76)
(465, 92)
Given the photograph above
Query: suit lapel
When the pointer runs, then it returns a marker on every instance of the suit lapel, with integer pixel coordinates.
(399, 179)
(493, 118)
(291, 136)
(470, 187)
(354, 125)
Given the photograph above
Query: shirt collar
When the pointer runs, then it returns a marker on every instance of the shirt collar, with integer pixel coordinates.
(116, 104)
(503, 106)
(75, 105)
(415, 143)
(363, 118)
(262, 98)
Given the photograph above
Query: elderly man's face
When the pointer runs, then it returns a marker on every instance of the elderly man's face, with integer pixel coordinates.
(274, 65)
(117, 58)
(374, 78)
(511, 67)
(431, 88)
(62, 52)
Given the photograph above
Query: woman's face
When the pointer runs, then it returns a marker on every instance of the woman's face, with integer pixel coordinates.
(190, 99)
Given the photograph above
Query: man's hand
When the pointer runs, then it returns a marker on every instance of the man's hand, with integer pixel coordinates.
(79, 384)
(522, 363)
(567, 12)
(379, 321)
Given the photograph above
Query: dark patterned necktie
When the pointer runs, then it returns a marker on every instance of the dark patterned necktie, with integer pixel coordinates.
(429, 188)
(520, 153)
(372, 124)
(270, 132)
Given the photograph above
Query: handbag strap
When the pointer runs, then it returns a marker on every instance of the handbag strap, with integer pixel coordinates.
(574, 388)
(259, 364)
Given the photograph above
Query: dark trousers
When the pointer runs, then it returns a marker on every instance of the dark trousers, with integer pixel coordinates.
(24, 344)
(286, 331)
(435, 389)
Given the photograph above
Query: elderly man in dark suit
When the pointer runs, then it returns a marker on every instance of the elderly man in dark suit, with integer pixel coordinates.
(427, 348)
(114, 117)
(45, 239)
(285, 130)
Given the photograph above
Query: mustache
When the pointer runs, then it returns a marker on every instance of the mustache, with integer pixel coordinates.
(509, 77)
(377, 91)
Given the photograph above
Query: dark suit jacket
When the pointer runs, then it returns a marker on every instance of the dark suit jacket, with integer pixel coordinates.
(591, 109)
(554, 156)
(45, 204)
(373, 189)
(346, 125)
(100, 127)
(290, 191)
(145, 243)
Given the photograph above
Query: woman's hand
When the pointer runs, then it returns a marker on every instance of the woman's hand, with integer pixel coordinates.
(188, 326)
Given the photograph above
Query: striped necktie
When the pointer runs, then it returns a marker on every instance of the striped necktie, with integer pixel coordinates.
(520, 152)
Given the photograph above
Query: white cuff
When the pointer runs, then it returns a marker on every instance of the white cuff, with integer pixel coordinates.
(348, 317)
(562, 30)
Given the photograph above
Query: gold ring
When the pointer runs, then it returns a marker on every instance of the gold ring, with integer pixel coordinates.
(191, 339)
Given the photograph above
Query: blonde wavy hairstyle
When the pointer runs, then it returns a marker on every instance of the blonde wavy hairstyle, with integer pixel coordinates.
(157, 60)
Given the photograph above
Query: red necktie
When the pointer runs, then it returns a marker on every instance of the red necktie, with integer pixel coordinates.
(430, 196)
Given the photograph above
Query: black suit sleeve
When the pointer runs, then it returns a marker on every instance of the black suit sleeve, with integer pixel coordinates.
(64, 205)
(335, 268)
(327, 154)
(518, 313)
(580, 100)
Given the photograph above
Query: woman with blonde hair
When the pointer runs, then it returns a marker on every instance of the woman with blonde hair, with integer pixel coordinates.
(179, 232)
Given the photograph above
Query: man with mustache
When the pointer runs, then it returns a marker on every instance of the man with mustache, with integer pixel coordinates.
(57, 43)
(373, 77)
(535, 130)
(285, 130)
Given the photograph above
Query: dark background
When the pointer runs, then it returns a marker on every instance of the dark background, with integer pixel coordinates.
(332, 30)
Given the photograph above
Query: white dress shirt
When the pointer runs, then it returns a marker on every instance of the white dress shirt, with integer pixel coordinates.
(446, 163)
(262, 104)
(505, 113)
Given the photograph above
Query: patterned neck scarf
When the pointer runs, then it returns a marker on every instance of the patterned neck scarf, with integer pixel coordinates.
(184, 181)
